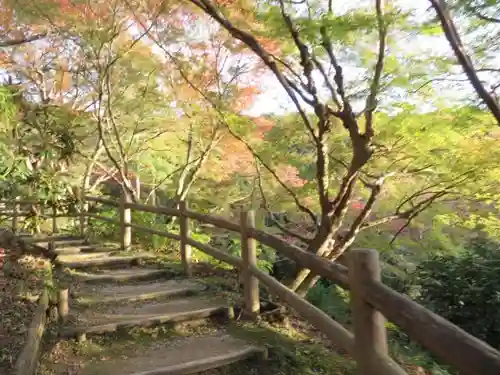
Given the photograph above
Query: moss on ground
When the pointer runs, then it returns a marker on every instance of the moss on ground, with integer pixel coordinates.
(291, 352)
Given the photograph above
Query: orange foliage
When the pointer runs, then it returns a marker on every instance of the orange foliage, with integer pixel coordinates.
(245, 98)
(270, 45)
(263, 125)
(234, 155)
(68, 7)
(236, 158)
(290, 176)
(226, 2)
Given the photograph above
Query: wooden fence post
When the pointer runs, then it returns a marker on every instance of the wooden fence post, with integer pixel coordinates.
(15, 217)
(54, 218)
(62, 304)
(370, 336)
(125, 219)
(39, 214)
(83, 208)
(185, 248)
(249, 256)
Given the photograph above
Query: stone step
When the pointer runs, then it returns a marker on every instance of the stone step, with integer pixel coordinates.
(59, 240)
(87, 295)
(100, 259)
(85, 248)
(121, 275)
(179, 357)
(111, 318)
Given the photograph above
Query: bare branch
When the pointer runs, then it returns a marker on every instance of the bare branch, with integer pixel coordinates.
(420, 206)
(266, 207)
(328, 83)
(305, 55)
(463, 58)
(482, 16)
(371, 100)
(348, 238)
(250, 41)
(19, 41)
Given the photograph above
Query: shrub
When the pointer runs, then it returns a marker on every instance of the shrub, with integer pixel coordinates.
(465, 289)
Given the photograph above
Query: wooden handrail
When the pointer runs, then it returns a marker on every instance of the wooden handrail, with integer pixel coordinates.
(102, 218)
(333, 330)
(157, 232)
(334, 272)
(102, 200)
(467, 354)
(450, 343)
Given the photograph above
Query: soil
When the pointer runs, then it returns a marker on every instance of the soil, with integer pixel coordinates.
(21, 280)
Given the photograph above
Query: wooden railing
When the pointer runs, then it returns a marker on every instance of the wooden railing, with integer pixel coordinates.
(371, 301)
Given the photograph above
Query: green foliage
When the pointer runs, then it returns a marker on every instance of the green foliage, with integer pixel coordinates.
(266, 256)
(148, 240)
(104, 229)
(465, 289)
(332, 299)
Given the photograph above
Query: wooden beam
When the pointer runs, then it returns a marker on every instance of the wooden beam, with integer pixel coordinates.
(185, 249)
(454, 346)
(249, 256)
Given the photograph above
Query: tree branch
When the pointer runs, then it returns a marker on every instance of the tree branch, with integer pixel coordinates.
(371, 100)
(276, 222)
(252, 43)
(18, 41)
(463, 58)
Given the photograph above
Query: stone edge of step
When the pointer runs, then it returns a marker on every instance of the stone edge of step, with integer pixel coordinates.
(207, 363)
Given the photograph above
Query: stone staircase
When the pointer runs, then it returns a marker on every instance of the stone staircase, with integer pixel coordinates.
(111, 291)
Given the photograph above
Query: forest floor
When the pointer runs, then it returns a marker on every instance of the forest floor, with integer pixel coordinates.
(22, 278)
(294, 347)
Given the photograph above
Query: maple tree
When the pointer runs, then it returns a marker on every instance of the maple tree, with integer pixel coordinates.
(312, 73)
(169, 85)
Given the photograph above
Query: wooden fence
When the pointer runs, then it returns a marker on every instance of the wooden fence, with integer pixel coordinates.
(371, 301)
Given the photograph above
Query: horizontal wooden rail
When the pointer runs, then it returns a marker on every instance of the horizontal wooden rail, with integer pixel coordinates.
(216, 253)
(109, 202)
(467, 354)
(100, 217)
(333, 330)
(154, 231)
(24, 201)
(332, 271)
(454, 346)
(43, 216)
(19, 214)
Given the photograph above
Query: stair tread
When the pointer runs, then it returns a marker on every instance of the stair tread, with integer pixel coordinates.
(57, 238)
(181, 356)
(85, 248)
(120, 275)
(43, 242)
(99, 258)
(142, 290)
(109, 318)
